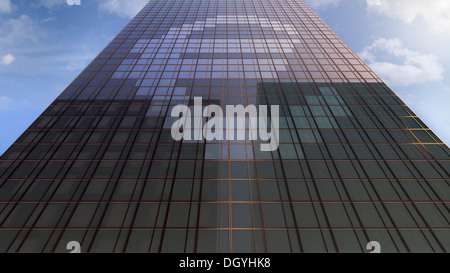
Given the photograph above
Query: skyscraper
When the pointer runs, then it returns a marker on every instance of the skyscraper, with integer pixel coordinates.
(351, 163)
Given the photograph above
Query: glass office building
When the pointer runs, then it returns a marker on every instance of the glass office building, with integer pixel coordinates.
(354, 164)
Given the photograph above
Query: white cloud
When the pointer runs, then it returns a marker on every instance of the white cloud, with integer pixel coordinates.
(374, 2)
(56, 3)
(5, 102)
(322, 3)
(7, 59)
(51, 3)
(74, 2)
(435, 12)
(127, 8)
(9, 103)
(77, 62)
(5, 6)
(416, 67)
(18, 30)
(123, 8)
(21, 36)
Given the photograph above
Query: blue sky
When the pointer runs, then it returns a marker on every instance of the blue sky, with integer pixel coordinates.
(45, 44)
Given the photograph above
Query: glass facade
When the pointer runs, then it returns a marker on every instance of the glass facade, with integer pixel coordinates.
(100, 166)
